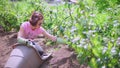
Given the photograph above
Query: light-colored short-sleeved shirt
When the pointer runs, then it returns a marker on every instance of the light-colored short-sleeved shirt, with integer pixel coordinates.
(29, 33)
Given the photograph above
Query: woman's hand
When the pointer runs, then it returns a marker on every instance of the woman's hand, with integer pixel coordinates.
(46, 34)
(22, 40)
(61, 41)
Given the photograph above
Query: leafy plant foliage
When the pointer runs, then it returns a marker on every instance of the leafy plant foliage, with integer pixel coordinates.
(90, 26)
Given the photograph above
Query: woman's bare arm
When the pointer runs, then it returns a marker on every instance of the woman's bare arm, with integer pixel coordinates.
(51, 37)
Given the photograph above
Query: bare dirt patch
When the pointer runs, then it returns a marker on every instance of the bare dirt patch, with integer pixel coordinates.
(62, 57)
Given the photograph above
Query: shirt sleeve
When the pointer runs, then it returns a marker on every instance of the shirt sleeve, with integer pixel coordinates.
(41, 29)
(22, 26)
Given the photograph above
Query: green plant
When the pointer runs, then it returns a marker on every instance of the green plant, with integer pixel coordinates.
(91, 27)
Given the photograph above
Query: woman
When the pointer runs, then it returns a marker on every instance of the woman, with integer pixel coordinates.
(31, 29)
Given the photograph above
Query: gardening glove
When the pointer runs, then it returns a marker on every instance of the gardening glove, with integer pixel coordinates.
(61, 41)
(25, 41)
(22, 40)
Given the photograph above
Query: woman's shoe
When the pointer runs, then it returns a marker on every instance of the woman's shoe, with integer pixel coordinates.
(44, 57)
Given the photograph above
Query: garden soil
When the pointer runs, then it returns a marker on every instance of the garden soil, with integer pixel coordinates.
(62, 56)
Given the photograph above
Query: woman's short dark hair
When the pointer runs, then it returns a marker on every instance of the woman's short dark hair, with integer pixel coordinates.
(36, 16)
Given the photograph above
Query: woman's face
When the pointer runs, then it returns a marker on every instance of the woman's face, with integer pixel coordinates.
(39, 23)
